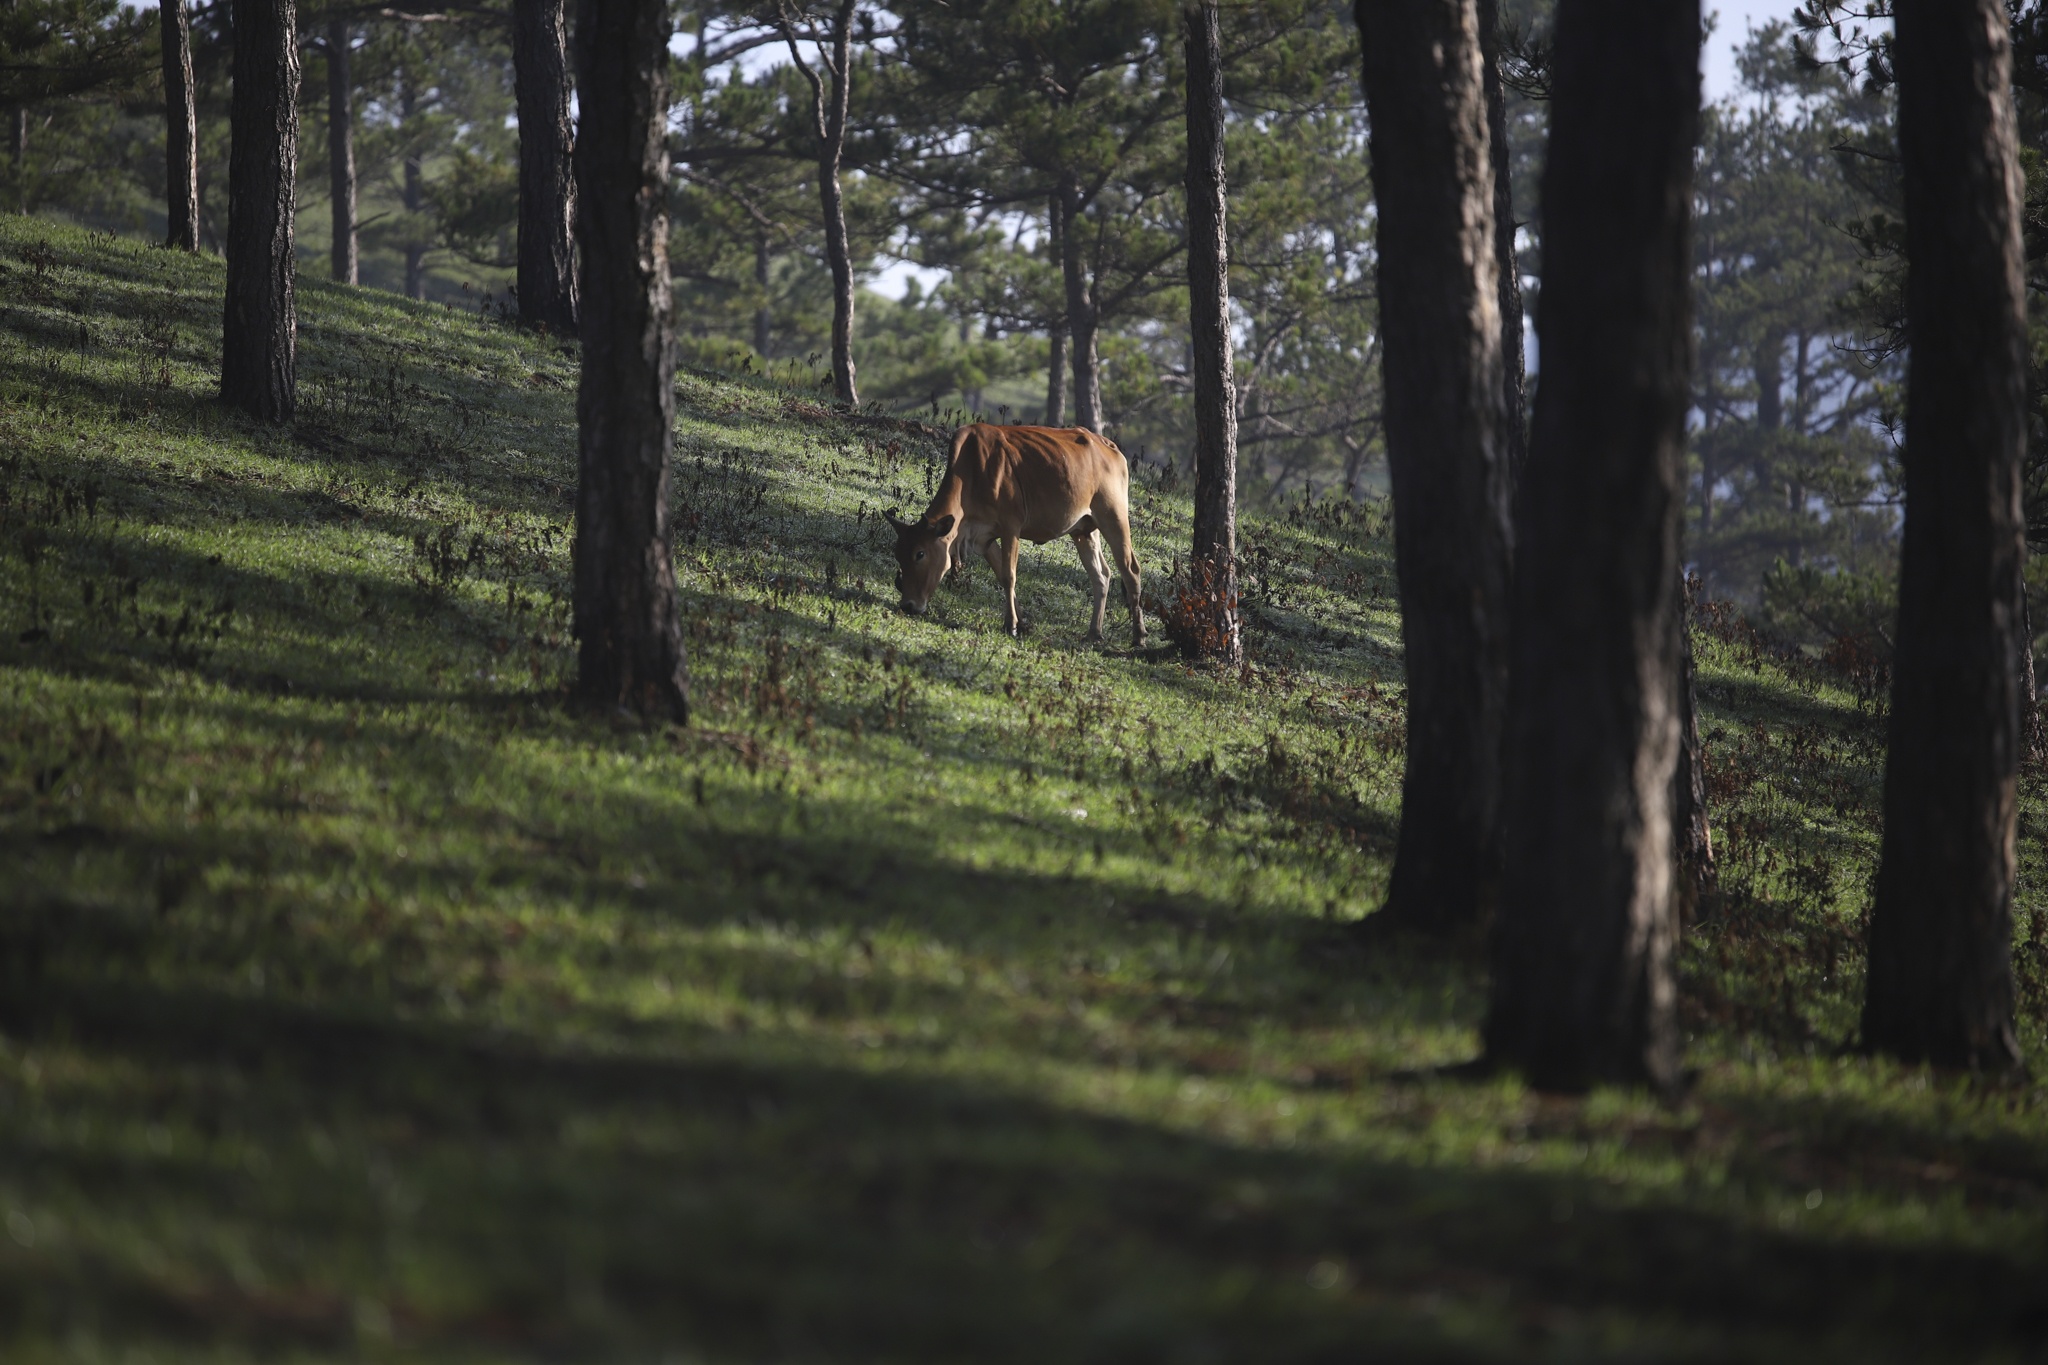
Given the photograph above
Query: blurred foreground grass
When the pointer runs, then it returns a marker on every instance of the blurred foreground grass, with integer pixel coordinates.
(932, 997)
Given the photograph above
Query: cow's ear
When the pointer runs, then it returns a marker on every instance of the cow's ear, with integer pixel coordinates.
(944, 524)
(894, 520)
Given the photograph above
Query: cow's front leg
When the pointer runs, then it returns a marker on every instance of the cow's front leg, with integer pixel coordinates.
(1002, 557)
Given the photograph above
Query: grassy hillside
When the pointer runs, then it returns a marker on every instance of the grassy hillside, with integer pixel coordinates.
(932, 997)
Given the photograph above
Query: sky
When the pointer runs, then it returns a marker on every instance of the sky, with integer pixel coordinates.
(1737, 17)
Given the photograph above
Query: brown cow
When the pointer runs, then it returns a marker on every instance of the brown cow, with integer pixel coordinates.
(1005, 485)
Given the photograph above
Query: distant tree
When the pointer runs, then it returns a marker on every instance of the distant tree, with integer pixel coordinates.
(547, 260)
(1015, 105)
(628, 631)
(831, 39)
(1439, 310)
(259, 334)
(181, 128)
(1940, 985)
(63, 51)
(1056, 330)
(1790, 467)
(1214, 556)
(1583, 988)
(338, 48)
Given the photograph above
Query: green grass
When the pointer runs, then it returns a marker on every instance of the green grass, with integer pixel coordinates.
(932, 997)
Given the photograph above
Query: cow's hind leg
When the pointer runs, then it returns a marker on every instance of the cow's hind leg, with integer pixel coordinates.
(1002, 557)
(1116, 529)
(1089, 546)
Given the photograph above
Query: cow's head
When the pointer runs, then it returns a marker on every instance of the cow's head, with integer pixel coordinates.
(922, 552)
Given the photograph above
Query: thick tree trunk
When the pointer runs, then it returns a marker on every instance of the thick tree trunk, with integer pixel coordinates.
(628, 631)
(1081, 320)
(547, 188)
(181, 129)
(1439, 313)
(764, 316)
(341, 152)
(1214, 561)
(1056, 366)
(1697, 874)
(1583, 988)
(1940, 986)
(259, 332)
(1507, 267)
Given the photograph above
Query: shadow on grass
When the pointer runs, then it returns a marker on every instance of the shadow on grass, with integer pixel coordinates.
(479, 1188)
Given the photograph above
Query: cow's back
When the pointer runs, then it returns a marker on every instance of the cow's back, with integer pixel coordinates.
(1035, 482)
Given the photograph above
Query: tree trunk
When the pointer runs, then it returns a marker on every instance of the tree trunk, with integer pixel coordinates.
(628, 631)
(412, 191)
(181, 129)
(1583, 988)
(1697, 874)
(1080, 308)
(341, 152)
(764, 317)
(1056, 367)
(830, 99)
(259, 333)
(1515, 409)
(1213, 565)
(1439, 314)
(2036, 742)
(547, 188)
(1770, 383)
(18, 150)
(1940, 985)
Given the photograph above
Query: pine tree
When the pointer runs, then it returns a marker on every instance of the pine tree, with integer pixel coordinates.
(1583, 988)
(1433, 177)
(628, 631)
(1940, 984)
(259, 333)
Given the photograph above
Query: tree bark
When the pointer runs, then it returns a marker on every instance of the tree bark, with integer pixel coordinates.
(1056, 367)
(1507, 266)
(2033, 737)
(259, 332)
(1583, 988)
(628, 630)
(547, 188)
(1081, 320)
(1214, 561)
(412, 190)
(829, 101)
(1439, 314)
(341, 152)
(181, 129)
(764, 317)
(1697, 874)
(1940, 985)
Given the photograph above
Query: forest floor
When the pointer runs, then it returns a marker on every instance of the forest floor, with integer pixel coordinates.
(932, 996)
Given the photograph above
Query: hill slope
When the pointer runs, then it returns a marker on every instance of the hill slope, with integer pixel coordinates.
(933, 996)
